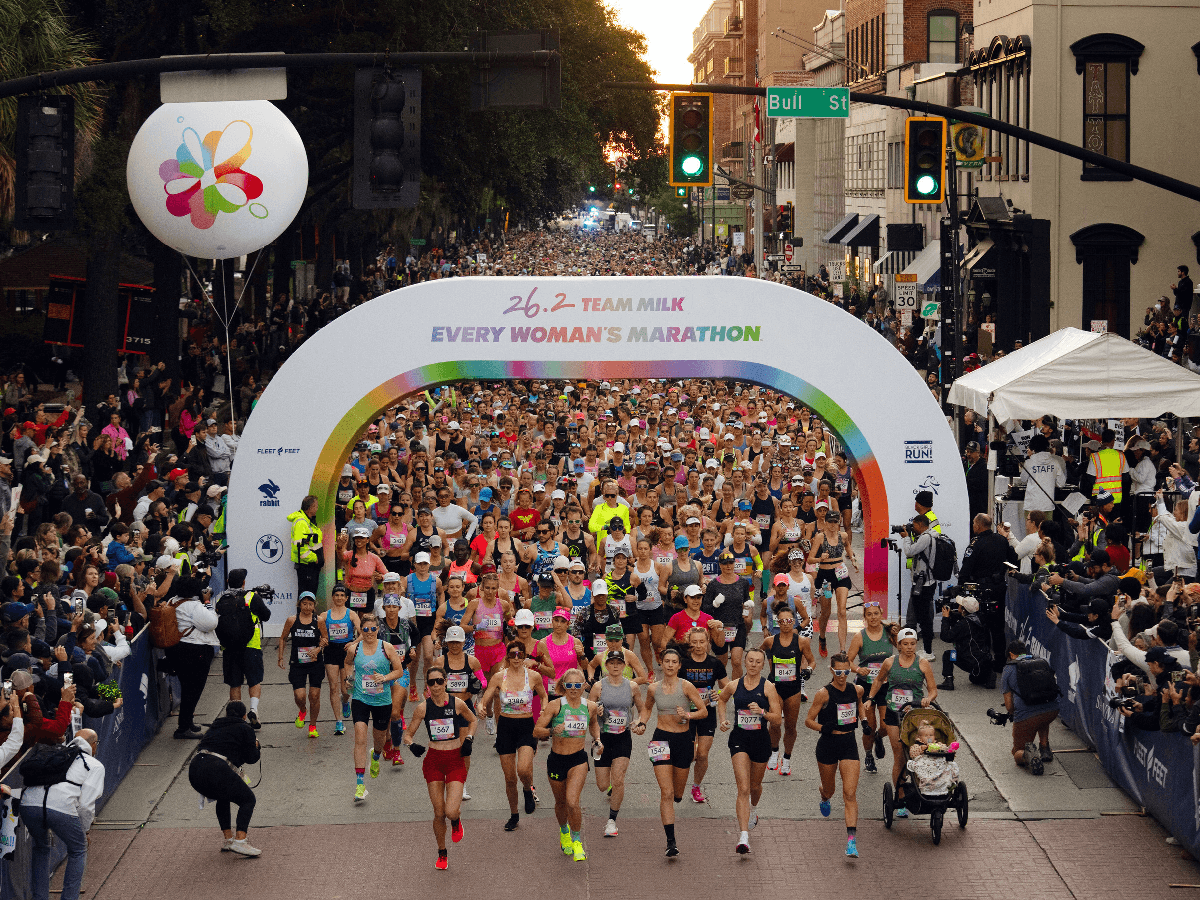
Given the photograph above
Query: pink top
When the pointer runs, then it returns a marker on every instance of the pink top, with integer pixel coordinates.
(361, 577)
(563, 656)
(489, 620)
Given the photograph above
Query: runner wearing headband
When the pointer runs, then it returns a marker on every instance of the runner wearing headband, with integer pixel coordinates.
(791, 661)
(871, 646)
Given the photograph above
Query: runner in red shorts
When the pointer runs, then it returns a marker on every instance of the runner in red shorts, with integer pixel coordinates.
(450, 726)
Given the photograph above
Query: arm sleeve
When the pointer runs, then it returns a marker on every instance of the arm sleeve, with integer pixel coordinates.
(1073, 629)
(1130, 652)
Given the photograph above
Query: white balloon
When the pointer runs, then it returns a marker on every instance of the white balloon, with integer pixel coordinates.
(217, 180)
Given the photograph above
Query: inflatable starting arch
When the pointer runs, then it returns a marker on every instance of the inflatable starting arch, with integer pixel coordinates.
(314, 409)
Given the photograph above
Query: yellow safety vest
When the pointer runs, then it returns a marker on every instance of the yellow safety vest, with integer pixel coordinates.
(255, 642)
(933, 521)
(1108, 462)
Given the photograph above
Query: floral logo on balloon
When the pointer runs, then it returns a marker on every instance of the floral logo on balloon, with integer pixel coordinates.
(206, 176)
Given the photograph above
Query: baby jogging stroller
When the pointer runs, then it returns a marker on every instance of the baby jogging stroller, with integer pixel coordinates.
(929, 784)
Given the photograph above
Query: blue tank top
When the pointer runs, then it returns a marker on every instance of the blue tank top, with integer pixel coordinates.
(423, 594)
(366, 666)
(341, 631)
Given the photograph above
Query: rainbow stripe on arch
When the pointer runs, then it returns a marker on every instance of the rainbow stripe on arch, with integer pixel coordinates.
(870, 480)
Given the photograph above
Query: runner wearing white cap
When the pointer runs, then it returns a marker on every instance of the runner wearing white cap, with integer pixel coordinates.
(909, 680)
(465, 677)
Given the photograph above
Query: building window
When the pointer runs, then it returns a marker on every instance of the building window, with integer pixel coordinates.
(895, 165)
(1106, 62)
(943, 37)
(1106, 251)
(1000, 72)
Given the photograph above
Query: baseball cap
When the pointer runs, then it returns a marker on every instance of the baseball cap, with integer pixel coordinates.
(391, 577)
(545, 581)
(972, 447)
(781, 578)
(906, 633)
(216, 490)
(347, 471)
(692, 590)
(560, 613)
(712, 464)
(421, 557)
(639, 459)
(618, 447)
(615, 656)
(176, 473)
(523, 617)
(486, 494)
(1153, 655)
(743, 505)
(615, 632)
(692, 520)
(455, 633)
(578, 566)
(561, 562)
(13, 611)
(970, 604)
(599, 587)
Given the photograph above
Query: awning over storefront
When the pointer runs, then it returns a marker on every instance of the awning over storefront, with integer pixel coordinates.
(927, 266)
(865, 234)
(785, 153)
(841, 229)
(894, 261)
(980, 262)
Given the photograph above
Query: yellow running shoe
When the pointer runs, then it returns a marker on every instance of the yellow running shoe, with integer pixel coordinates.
(374, 766)
(564, 842)
(579, 854)
(300, 720)
(312, 731)
(360, 793)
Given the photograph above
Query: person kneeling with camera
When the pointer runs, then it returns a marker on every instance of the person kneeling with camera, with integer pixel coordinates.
(215, 773)
(972, 645)
(1031, 700)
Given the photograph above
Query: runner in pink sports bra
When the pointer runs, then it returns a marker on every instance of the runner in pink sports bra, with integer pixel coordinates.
(392, 536)
(564, 649)
(488, 619)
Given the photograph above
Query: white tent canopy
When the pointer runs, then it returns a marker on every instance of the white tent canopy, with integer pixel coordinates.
(1076, 374)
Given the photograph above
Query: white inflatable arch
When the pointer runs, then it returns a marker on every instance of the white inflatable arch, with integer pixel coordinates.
(314, 409)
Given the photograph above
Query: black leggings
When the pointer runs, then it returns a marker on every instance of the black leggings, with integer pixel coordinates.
(216, 779)
(192, 662)
(920, 612)
(307, 577)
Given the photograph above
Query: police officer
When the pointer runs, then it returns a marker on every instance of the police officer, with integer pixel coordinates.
(983, 564)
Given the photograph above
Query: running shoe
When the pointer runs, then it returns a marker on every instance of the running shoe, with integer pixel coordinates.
(360, 793)
(1034, 759)
(870, 766)
(785, 766)
(225, 845)
(300, 719)
(398, 760)
(610, 828)
(456, 832)
(530, 803)
(1046, 753)
(312, 731)
(466, 796)
(412, 693)
(253, 717)
(339, 728)
(243, 847)
(880, 746)
(374, 766)
(443, 862)
(698, 794)
(536, 798)
(490, 724)
(824, 648)
(564, 842)
(773, 762)
(753, 823)
(672, 850)
(743, 846)
(928, 657)
(852, 847)
(577, 847)
(513, 821)
(346, 708)
(901, 813)
(803, 697)
(826, 808)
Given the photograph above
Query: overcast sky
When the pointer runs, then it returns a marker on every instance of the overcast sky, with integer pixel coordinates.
(668, 44)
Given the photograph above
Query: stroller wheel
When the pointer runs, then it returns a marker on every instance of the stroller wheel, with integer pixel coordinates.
(960, 803)
(888, 808)
(935, 822)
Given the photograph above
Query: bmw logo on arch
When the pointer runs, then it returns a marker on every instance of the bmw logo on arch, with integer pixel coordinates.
(269, 548)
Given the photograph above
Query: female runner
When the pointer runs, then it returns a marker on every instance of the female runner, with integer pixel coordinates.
(708, 674)
(830, 546)
(791, 659)
(486, 615)
(618, 701)
(371, 665)
(835, 712)
(566, 720)
(651, 578)
(871, 646)
(339, 628)
(305, 668)
(464, 676)
(909, 680)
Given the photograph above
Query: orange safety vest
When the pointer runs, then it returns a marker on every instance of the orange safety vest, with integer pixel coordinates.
(1108, 476)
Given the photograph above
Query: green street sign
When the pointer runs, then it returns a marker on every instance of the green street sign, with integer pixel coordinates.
(418, 242)
(808, 102)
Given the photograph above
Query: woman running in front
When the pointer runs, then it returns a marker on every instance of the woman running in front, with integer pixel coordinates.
(909, 681)
(450, 725)
(754, 699)
(371, 666)
(515, 685)
(464, 674)
(398, 627)
(486, 615)
(305, 668)
(339, 628)
(708, 674)
(791, 659)
(872, 646)
(618, 701)
(835, 712)
(566, 720)
(677, 703)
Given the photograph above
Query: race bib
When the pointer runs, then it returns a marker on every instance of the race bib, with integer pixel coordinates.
(358, 600)
(762, 521)
(575, 724)
(873, 670)
(441, 729)
(490, 623)
(516, 703)
(847, 713)
(841, 571)
(619, 606)
(543, 620)
(660, 751)
(306, 655)
(900, 697)
(785, 671)
(397, 541)
(749, 721)
(424, 606)
(371, 686)
(616, 721)
(457, 683)
(599, 643)
(730, 633)
(338, 631)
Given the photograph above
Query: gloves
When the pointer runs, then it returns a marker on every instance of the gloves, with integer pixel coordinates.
(747, 606)
(418, 750)
(718, 600)
(468, 745)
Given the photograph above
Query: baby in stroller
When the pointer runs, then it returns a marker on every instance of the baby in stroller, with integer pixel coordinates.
(932, 762)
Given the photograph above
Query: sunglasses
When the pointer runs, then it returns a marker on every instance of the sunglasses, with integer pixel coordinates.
(432, 681)
(840, 673)
(610, 496)
(517, 654)
(874, 603)
(573, 685)
(371, 630)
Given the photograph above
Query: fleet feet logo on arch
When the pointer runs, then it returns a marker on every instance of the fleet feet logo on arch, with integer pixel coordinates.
(206, 176)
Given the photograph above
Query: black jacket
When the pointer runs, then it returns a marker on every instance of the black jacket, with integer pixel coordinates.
(971, 639)
(233, 739)
(984, 559)
(977, 487)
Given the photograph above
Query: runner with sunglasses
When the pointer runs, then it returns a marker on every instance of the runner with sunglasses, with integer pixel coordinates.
(450, 726)
(515, 686)
(371, 666)
(465, 677)
(836, 711)
(339, 628)
(791, 663)
(708, 674)
(870, 647)
(398, 627)
(755, 700)
(619, 700)
(566, 720)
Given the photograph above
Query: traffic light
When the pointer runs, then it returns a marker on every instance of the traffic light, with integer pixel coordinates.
(681, 192)
(785, 219)
(45, 163)
(387, 139)
(924, 159)
(691, 140)
(591, 189)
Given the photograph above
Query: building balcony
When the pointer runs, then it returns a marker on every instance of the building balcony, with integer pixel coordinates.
(734, 67)
(734, 26)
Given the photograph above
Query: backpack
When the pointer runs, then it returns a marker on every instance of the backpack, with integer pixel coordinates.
(164, 625)
(48, 765)
(945, 558)
(235, 624)
(1036, 683)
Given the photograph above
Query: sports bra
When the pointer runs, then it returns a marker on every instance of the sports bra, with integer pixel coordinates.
(516, 703)
(489, 620)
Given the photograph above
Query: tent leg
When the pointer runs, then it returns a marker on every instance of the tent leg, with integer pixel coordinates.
(991, 464)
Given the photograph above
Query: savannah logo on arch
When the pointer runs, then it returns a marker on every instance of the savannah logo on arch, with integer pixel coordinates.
(206, 176)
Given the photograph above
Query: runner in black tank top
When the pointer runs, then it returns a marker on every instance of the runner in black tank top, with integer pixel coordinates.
(306, 669)
(835, 712)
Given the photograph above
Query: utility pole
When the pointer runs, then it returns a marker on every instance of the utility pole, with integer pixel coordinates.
(949, 294)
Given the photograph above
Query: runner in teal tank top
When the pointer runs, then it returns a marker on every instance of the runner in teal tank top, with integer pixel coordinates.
(909, 680)
(371, 666)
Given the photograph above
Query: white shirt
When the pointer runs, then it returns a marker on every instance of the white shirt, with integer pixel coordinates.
(1141, 477)
(12, 746)
(1178, 542)
(195, 615)
(78, 799)
(1049, 472)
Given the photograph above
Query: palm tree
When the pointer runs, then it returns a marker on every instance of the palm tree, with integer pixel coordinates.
(35, 36)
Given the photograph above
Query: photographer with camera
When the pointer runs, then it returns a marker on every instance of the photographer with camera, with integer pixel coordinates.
(240, 614)
(1031, 702)
(972, 645)
(1100, 582)
(917, 544)
(983, 564)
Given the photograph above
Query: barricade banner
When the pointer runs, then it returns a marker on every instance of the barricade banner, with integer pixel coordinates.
(1158, 770)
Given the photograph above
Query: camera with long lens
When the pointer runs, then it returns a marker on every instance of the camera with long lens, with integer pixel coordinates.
(265, 592)
(899, 529)
(998, 718)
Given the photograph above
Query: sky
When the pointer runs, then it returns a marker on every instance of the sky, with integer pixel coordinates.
(668, 44)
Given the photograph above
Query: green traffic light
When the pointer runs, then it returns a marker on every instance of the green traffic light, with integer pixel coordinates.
(926, 185)
(592, 188)
(691, 166)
